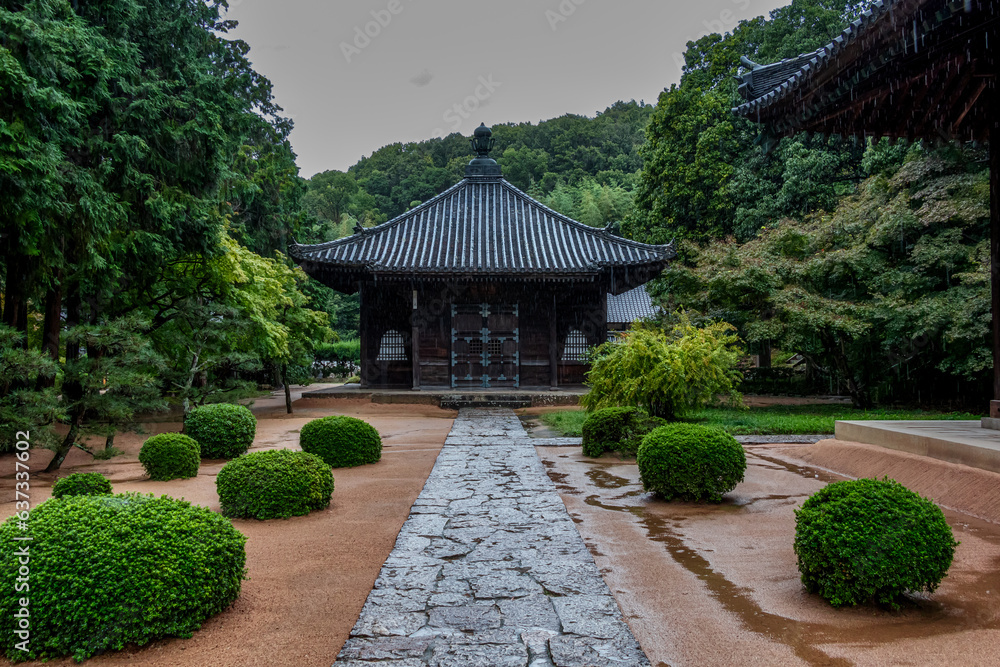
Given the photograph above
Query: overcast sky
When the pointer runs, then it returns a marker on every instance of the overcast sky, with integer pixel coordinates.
(355, 75)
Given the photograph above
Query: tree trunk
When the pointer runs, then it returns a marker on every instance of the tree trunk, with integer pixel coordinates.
(765, 354)
(288, 393)
(109, 444)
(15, 303)
(51, 329)
(857, 390)
(192, 372)
(66, 445)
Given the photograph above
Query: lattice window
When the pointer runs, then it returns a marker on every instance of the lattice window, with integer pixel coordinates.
(576, 346)
(614, 336)
(392, 348)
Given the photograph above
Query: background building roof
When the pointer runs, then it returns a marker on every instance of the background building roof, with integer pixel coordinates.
(904, 68)
(625, 308)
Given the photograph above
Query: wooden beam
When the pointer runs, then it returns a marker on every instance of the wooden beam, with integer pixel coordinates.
(968, 106)
(553, 346)
(365, 333)
(415, 344)
(995, 230)
(948, 89)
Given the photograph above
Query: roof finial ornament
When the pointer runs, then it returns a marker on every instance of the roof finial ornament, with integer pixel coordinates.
(483, 165)
(482, 140)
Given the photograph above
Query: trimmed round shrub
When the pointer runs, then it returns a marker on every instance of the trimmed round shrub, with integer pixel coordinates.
(871, 540)
(223, 430)
(616, 429)
(110, 570)
(170, 456)
(274, 484)
(604, 429)
(341, 441)
(82, 484)
(690, 462)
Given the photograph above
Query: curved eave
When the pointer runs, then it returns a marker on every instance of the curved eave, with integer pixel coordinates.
(758, 108)
(617, 278)
(480, 227)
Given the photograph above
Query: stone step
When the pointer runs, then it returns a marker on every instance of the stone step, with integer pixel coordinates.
(459, 401)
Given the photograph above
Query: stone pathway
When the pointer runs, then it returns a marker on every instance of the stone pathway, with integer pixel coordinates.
(489, 569)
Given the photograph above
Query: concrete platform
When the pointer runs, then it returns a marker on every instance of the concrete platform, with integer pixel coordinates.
(458, 398)
(965, 442)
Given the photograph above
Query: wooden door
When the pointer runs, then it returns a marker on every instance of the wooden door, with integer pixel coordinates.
(484, 345)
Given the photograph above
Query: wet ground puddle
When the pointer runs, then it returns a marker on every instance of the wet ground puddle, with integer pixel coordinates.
(929, 617)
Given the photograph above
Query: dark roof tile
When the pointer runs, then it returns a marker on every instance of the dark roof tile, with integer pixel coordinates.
(630, 306)
(483, 226)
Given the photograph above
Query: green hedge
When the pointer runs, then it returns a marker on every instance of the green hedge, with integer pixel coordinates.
(341, 441)
(82, 484)
(170, 456)
(223, 430)
(340, 358)
(616, 429)
(273, 484)
(605, 428)
(110, 570)
(690, 462)
(871, 540)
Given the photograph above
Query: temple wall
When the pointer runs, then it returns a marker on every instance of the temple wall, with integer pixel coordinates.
(387, 308)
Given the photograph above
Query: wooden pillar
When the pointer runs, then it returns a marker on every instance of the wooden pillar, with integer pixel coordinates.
(365, 334)
(553, 346)
(994, 140)
(995, 242)
(415, 344)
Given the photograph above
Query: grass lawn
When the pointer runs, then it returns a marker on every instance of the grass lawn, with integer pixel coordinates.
(769, 420)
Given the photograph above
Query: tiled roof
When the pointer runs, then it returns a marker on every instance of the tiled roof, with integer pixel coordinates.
(776, 81)
(630, 306)
(762, 79)
(484, 226)
(913, 69)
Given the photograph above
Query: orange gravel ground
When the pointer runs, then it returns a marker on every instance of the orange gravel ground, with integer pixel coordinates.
(309, 575)
(698, 584)
(718, 585)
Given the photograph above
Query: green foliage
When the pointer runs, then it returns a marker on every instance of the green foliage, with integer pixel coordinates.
(23, 407)
(592, 163)
(566, 422)
(170, 456)
(887, 295)
(871, 540)
(139, 145)
(690, 462)
(805, 419)
(667, 375)
(223, 430)
(703, 172)
(235, 312)
(107, 571)
(605, 428)
(104, 389)
(341, 441)
(274, 484)
(769, 419)
(616, 429)
(82, 484)
(341, 358)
